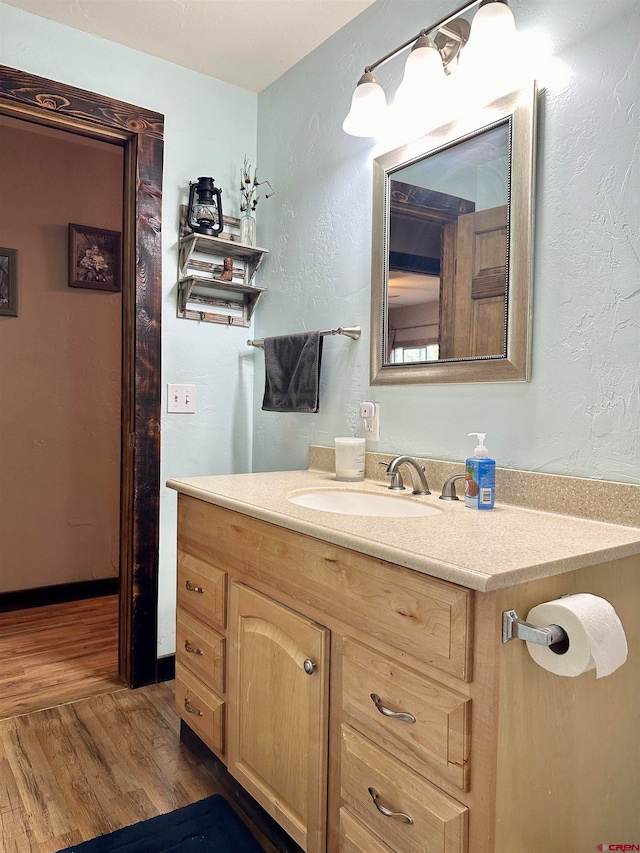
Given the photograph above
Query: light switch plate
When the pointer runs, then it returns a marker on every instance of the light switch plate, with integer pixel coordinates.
(181, 399)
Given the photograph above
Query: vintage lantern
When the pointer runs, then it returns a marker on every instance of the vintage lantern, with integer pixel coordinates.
(204, 212)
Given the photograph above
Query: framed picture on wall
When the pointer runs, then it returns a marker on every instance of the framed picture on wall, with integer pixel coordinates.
(8, 283)
(94, 258)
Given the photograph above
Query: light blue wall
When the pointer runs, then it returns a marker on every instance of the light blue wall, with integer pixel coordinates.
(580, 412)
(578, 415)
(209, 126)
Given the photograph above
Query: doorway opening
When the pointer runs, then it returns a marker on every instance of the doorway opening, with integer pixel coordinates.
(139, 133)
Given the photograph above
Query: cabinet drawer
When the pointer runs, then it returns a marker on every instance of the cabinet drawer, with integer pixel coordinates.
(429, 619)
(355, 838)
(201, 709)
(202, 650)
(440, 736)
(439, 823)
(202, 589)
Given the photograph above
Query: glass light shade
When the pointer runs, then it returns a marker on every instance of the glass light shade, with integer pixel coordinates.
(423, 74)
(493, 32)
(489, 58)
(368, 108)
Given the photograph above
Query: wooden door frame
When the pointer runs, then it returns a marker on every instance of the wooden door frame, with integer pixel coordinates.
(140, 133)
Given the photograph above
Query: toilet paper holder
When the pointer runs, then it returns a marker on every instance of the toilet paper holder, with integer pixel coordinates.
(514, 628)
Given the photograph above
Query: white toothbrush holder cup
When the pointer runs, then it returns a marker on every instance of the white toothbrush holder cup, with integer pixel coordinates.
(350, 459)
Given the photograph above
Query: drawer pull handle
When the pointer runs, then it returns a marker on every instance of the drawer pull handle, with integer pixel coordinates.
(193, 588)
(191, 709)
(309, 666)
(396, 715)
(387, 812)
(191, 648)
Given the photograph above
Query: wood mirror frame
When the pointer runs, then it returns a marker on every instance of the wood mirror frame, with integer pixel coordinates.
(519, 109)
(140, 133)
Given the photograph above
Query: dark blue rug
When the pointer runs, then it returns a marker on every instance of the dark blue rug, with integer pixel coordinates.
(209, 826)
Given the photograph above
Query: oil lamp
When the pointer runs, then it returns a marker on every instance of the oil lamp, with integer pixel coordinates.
(204, 211)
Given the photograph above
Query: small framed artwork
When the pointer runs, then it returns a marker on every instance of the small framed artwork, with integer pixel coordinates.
(94, 258)
(8, 283)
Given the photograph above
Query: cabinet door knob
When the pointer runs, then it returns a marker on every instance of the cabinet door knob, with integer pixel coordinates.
(191, 709)
(396, 715)
(309, 666)
(191, 648)
(387, 812)
(193, 588)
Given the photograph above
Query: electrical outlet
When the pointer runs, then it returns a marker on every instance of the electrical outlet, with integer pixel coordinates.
(370, 414)
(181, 399)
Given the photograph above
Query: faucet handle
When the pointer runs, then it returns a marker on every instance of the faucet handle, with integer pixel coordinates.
(397, 484)
(449, 488)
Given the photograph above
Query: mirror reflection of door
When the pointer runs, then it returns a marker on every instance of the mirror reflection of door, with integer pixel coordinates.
(447, 276)
(475, 294)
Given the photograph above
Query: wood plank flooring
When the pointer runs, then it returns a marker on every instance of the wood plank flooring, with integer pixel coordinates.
(57, 654)
(84, 769)
(80, 754)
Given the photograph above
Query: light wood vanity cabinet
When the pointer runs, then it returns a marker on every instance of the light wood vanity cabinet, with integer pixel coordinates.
(415, 730)
(295, 636)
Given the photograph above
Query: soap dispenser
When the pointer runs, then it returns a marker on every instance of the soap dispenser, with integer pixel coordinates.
(480, 474)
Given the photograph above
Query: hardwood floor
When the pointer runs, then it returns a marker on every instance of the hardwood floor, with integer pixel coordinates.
(56, 654)
(84, 769)
(80, 754)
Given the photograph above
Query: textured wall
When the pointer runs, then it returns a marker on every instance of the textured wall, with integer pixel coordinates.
(580, 412)
(209, 126)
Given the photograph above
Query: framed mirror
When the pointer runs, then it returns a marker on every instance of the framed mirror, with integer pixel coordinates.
(452, 251)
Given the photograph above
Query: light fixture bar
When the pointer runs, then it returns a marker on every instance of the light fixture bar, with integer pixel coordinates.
(441, 23)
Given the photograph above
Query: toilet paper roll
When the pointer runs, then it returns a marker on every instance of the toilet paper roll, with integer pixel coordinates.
(596, 636)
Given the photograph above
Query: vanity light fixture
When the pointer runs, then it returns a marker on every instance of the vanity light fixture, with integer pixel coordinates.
(436, 51)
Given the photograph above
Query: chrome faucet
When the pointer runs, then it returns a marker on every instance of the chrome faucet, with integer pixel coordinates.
(418, 478)
(449, 488)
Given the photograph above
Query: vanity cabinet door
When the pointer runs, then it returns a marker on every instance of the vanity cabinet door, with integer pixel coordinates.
(278, 712)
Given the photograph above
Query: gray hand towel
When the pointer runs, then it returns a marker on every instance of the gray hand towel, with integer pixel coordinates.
(292, 367)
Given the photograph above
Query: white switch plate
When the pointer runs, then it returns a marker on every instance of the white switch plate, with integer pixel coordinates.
(371, 426)
(181, 399)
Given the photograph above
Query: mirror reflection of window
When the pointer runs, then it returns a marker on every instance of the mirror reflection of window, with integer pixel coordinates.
(415, 355)
(447, 277)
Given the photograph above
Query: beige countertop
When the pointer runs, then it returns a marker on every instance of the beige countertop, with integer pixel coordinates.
(482, 550)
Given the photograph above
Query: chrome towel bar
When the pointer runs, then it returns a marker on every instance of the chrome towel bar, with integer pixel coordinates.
(353, 332)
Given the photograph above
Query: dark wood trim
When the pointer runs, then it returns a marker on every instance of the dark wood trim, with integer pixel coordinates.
(58, 594)
(413, 201)
(420, 264)
(166, 668)
(237, 794)
(140, 133)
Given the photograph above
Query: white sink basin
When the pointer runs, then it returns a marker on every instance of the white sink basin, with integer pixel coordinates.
(362, 503)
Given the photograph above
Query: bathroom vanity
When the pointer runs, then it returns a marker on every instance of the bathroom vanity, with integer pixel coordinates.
(350, 672)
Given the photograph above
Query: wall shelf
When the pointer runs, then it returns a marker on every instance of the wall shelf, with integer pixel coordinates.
(225, 296)
(201, 293)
